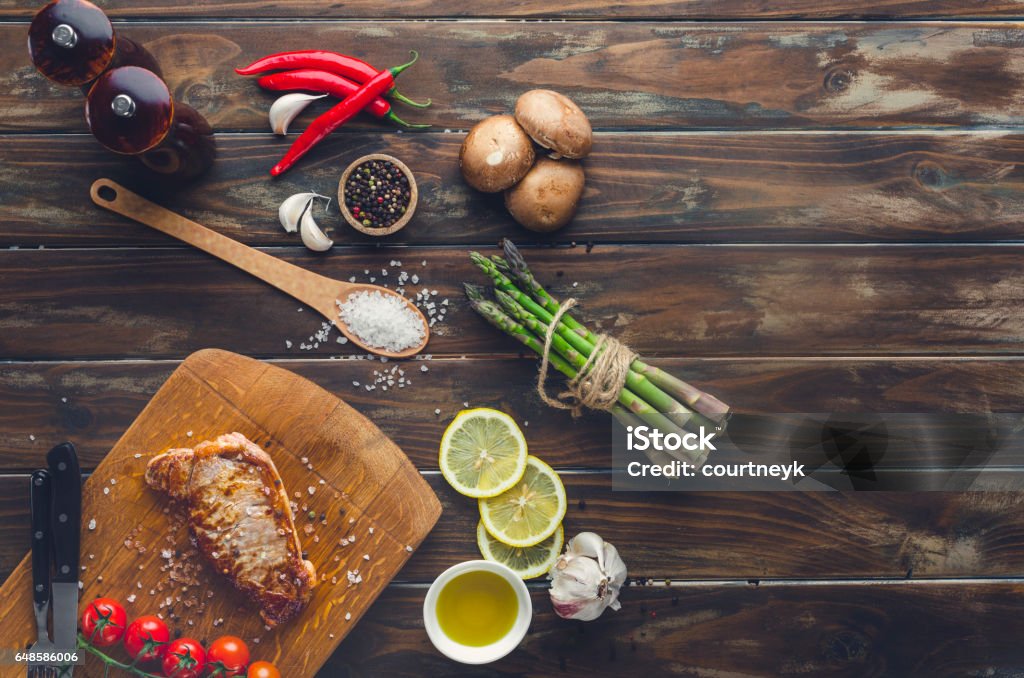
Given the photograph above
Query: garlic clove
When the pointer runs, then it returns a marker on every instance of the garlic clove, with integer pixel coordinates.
(291, 210)
(312, 236)
(287, 108)
(587, 544)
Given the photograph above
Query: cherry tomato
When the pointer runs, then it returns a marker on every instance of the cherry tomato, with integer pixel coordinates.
(263, 670)
(146, 638)
(104, 621)
(227, 656)
(185, 658)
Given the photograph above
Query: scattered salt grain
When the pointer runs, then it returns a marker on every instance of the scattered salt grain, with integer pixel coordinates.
(106, 490)
(137, 455)
(287, 344)
(348, 616)
(437, 412)
(423, 368)
(188, 433)
(409, 549)
(131, 598)
(92, 524)
(63, 400)
(382, 320)
(113, 481)
(32, 437)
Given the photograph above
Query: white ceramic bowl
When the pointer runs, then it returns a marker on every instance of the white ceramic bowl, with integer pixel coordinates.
(486, 653)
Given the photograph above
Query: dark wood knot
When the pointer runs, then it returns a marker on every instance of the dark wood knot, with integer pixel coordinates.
(77, 418)
(846, 646)
(198, 95)
(930, 175)
(838, 79)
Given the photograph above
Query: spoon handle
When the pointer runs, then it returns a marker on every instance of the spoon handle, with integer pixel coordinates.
(316, 291)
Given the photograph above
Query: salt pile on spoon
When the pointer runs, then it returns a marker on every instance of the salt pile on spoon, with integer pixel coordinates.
(383, 321)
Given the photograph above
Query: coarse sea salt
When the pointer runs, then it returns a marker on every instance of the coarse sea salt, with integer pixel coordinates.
(382, 320)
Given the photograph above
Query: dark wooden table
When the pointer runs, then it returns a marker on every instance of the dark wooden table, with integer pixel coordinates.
(800, 205)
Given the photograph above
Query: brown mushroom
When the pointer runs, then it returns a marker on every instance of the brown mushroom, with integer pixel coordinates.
(547, 197)
(555, 122)
(496, 154)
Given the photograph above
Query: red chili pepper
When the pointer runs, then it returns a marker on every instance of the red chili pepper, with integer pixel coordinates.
(334, 118)
(336, 85)
(348, 66)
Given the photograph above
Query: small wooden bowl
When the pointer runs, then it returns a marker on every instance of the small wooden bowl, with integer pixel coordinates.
(410, 208)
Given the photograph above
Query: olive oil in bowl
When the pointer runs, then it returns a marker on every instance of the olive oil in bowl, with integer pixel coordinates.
(477, 612)
(477, 608)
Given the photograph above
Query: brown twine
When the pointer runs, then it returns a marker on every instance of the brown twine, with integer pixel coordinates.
(597, 384)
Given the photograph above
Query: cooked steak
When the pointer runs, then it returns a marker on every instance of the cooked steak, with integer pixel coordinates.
(241, 519)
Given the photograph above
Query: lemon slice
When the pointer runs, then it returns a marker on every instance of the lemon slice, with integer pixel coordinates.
(528, 513)
(483, 453)
(530, 562)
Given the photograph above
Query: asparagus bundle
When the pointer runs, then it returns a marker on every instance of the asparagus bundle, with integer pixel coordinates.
(649, 395)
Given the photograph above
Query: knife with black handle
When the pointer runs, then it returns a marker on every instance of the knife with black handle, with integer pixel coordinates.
(66, 518)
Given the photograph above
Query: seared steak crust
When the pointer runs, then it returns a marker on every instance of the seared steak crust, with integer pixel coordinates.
(241, 519)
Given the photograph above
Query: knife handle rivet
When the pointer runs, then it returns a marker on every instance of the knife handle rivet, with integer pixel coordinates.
(62, 466)
(64, 569)
(38, 481)
(39, 588)
(38, 534)
(63, 517)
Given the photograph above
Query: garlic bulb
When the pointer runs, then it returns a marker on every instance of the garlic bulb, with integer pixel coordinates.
(586, 578)
(312, 236)
(287, 108)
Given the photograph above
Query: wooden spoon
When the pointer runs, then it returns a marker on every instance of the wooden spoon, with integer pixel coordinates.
(316, 291)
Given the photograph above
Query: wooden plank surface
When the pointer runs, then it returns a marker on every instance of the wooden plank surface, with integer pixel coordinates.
(580, 9)
(806, 146)
(666, 187)
(633, 75)
(701, 535)
(662, 300)
(855, 631)
(93, 403)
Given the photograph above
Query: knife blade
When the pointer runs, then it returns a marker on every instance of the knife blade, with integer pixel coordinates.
(66, 518)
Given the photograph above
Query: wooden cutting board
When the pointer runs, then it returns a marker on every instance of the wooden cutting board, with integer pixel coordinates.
(333, 461)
